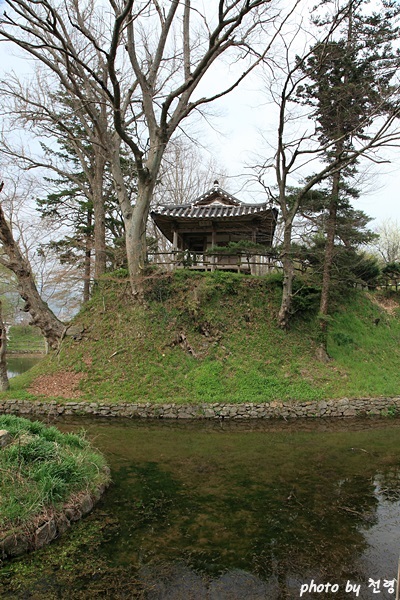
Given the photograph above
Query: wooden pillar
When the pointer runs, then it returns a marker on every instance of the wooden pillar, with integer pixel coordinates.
(254, 268)
(175, 239)
(174, 245)
(213, 245)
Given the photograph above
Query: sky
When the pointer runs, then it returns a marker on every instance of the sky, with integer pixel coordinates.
(246, 120)
(234, 139)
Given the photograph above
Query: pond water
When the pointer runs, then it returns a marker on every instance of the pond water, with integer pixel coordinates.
(19, 363)
(230, 511)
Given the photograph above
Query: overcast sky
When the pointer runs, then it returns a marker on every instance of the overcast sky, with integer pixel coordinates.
(245, 118)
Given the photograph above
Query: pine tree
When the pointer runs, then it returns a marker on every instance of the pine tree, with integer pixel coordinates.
(82, 195)
(349, 86)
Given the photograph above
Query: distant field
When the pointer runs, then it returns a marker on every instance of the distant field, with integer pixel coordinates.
(25, 339)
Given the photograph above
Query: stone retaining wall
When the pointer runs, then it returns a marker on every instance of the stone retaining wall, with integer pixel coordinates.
(267, 410)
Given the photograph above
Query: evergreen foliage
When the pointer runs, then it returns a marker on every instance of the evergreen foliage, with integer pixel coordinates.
(70, 204)
(348, 85)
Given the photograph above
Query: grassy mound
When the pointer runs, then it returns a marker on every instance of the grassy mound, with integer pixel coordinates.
(41, 470)
(212, 337)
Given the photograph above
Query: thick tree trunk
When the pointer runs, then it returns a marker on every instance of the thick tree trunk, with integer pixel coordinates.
(86, 274)
(42, 316)
(135, 217)
(327, 270)
(99, 220)
(4, 383)
(136, 246)
(87, 271)
(288, 275)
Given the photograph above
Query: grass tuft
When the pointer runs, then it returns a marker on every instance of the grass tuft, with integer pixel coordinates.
(41, 469)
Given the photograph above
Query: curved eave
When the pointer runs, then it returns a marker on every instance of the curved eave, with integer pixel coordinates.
(168, 219)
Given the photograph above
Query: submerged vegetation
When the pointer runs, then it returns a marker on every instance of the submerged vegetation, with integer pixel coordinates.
(224, 505)
(41, 470)
(212, 337)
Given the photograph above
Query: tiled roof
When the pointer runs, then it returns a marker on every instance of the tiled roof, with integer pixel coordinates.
(211, 211)
(216, 203)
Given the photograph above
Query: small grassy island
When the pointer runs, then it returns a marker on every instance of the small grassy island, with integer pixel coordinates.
(48, 480)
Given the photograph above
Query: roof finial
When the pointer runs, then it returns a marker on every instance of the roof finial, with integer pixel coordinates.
(216, 184)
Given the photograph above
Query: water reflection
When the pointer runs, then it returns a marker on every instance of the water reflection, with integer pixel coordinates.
(178, 581)
(251, 510)
(19, 363)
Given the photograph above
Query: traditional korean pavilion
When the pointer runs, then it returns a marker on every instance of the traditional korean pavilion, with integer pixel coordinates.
(215, 219)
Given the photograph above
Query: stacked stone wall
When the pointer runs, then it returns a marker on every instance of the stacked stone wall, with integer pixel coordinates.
(268, 410)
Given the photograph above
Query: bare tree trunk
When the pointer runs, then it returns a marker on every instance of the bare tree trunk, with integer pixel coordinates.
(99, 220)
(4, 383)
(136, 244)
(42, 316)
(135, 217)
(288, 275)
(88, 260)
(86, 273)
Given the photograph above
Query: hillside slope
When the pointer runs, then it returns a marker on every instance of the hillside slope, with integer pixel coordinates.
(212, 337)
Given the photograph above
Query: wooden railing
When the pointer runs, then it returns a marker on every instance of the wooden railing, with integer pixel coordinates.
(243, 262)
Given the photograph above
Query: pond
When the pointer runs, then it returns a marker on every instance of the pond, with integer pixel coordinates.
(19, 363)
(218, 511)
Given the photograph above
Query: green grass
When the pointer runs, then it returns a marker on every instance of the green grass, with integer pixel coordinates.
(25, 339)
(212, 337)
(41, 469)
(369, 352)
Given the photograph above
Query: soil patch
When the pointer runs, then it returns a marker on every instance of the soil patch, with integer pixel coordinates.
(388, 304)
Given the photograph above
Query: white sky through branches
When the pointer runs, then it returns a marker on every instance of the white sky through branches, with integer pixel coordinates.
(239, 132)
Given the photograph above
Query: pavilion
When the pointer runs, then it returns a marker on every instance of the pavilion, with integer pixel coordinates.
(211, 222)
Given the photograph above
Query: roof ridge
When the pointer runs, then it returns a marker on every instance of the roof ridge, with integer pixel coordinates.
(221, 192)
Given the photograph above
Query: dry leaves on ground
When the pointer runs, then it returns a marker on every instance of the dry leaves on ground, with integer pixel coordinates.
(388, 304)
(64, 384)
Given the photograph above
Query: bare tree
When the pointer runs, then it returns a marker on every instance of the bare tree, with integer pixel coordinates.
(62, 127)
(387, 245)
(13, 259)
(145, 61)
(186, 173)
(32, 235)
